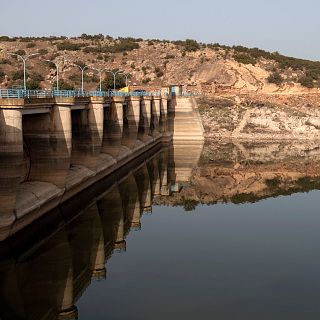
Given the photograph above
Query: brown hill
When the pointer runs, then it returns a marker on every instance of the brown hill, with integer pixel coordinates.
(208, 68)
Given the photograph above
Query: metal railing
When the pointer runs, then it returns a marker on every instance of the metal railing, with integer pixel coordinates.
(21, 93)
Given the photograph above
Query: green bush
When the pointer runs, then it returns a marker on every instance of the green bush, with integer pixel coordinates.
(7, 39)
(188, 45)
(159, 73)
(33, 84)
(144, 70)
(189, 205)
(42, 52)
(107, 83)
(5, 61)
(273, 183)
(21, 52)
(307, 82)
(122, 46)
(92, 37)
(146, 80)
(69, 46)
(36, 77)
(275, 78)
(17, 75)
(31, 45)
(2, 75)
(63, 85)
(244, 58)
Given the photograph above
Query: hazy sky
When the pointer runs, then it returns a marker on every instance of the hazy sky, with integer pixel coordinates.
(288, 26)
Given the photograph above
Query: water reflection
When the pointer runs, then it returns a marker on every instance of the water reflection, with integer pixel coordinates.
(46, 269)
(241, 172)
(44, 274)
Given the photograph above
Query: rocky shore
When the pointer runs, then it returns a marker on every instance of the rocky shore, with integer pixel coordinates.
(267, 117)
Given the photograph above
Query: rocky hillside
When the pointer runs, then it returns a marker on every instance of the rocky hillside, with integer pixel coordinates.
(208, 68)
(264, 117)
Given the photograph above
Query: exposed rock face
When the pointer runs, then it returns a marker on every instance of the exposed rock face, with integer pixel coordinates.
(249, 118)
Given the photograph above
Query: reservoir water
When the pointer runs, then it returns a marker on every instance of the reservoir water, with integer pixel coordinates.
(227, 232)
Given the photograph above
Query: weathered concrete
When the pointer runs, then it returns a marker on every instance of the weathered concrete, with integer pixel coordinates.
(184, 119)
(11, 164)
(87, 134)
(132, 121)
(52, 149)
(145, 120)
(155, 116)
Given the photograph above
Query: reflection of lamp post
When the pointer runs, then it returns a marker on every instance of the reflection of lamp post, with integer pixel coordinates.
(100, 75)
(57, 64)
(24, 60)
(82, 73)
(114, 78)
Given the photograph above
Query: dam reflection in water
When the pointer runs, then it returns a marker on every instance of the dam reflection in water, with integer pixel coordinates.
(259, 259)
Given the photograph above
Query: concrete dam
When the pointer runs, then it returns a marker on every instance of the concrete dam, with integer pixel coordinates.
(52, 149)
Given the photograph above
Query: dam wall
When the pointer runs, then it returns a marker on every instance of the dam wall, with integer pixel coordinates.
(53, 148)
(185, 125)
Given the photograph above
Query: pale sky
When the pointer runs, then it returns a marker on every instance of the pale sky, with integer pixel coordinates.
(288, 26)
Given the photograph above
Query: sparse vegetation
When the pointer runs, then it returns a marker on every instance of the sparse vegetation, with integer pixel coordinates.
(108, 83)
(159, 73)
(307, 81)
(275, 78)
(244, 58)
(188, 45)
(21, 52)
(273, 183)
(17, 75)
(5, 61)
(31, 45)
(69, 46)
(43, 52)
(146, 80)
(37, 77)
(2, 75)
(122, 46)
(63, 85)
(144, 70)
(33, 84)
(114, 52)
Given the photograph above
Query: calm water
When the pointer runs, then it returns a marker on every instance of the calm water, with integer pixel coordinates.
(235, 237)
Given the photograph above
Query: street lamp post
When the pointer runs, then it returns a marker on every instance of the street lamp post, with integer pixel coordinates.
(114, 78)
(82, 74)
(127, 75)
(100, 71)
(24, 60)
(57, 65)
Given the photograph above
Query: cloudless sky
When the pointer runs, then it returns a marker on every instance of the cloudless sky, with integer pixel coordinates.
(288, 26)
